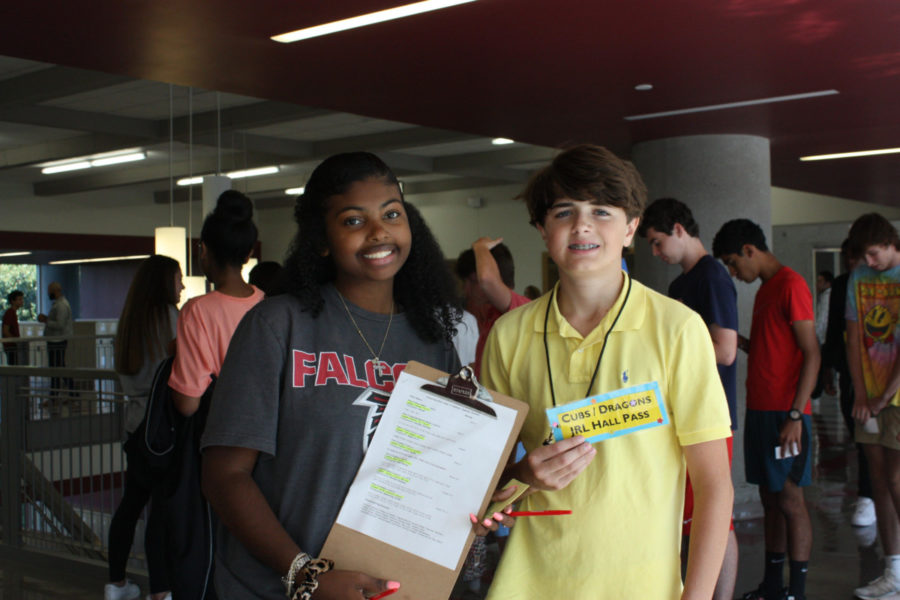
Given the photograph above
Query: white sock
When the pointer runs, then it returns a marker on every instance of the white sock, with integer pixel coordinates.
(892, 564)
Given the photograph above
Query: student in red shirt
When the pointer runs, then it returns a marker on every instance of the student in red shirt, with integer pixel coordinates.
(488, 276)
(783, 366)
(11, 324)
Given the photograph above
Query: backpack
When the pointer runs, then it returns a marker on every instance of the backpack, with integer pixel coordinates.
(153, 441)
(168, 442)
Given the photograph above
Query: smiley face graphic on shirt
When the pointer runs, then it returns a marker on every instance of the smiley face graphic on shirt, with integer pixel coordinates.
(879, 325)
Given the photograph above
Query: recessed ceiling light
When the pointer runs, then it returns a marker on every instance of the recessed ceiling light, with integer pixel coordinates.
(502, 141)
(190, 181)
(75, 166)
(102, 159)
(380, 16)
(252, 172)
(233, 175)
(684, 111)
(8, 254)
(294, 191)
(644, 87)
(76, 261)
(115, 160)
(851, 154)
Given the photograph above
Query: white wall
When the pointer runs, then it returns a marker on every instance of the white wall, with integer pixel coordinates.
(118, 211)
(792, 207)
(276, 230)
(456, 226)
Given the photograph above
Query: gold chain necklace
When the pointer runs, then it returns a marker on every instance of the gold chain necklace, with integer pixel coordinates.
(376, 357)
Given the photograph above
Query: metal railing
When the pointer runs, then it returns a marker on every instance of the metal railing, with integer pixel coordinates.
(91, 351)
(61, 434)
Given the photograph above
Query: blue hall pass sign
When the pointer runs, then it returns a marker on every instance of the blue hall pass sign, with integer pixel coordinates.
(609, 415)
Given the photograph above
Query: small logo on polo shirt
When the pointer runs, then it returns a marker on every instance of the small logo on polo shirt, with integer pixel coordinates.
(625, 376)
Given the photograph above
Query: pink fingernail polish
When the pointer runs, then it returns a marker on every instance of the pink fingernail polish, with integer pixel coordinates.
(393, 585)
(498, 516)
(487, 523)
(473, 518)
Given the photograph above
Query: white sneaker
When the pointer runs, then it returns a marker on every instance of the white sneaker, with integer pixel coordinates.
(865, 536)
(882, 587)
(168, 596)
(129, 591)
(864, 513)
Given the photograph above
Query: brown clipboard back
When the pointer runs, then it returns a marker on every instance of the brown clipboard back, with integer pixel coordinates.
(420, 579)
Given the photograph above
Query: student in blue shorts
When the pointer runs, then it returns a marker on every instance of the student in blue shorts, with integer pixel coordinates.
(782, 369)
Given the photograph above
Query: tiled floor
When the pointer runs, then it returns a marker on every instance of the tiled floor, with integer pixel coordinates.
(843, 556)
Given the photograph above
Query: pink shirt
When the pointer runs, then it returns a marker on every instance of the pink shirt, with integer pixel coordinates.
(205, 326)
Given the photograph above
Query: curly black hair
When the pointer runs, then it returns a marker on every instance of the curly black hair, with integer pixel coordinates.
(424, 287)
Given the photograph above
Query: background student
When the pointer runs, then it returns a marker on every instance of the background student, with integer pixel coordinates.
(15, 300)
(873, 346)
(489, 276)
(144, 337)
(704, 286)
(834, 359)
(205, 327)
(782, 368)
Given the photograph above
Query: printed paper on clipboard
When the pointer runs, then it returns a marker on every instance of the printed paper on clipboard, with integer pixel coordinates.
(426, 468)
(609, 415)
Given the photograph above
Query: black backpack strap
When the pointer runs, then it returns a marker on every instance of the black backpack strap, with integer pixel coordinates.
(159, 420)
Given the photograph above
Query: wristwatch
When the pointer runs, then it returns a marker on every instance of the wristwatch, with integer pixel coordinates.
(794, 415)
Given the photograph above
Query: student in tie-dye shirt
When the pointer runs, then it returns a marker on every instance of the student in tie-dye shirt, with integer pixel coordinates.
(872, 313)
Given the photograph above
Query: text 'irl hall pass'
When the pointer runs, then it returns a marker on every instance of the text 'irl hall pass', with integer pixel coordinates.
(611, 414)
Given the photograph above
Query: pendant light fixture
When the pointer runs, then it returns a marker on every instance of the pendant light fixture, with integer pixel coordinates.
(169, 241)
(194, 285)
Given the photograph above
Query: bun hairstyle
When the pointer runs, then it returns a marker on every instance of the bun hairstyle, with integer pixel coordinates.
(228, 231)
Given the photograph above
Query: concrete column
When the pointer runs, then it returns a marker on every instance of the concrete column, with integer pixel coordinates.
(720, 177)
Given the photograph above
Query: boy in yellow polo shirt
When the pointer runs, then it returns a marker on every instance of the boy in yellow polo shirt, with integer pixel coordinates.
(596, 332)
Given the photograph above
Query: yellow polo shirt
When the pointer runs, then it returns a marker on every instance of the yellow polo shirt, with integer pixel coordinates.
(623, 538)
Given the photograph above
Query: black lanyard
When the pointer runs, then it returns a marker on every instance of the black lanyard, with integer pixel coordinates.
(602, 349)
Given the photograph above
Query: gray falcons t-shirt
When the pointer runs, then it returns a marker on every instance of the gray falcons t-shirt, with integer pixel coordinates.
(304, 392)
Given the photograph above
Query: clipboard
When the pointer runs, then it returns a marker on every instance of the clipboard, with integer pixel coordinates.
(420, 578)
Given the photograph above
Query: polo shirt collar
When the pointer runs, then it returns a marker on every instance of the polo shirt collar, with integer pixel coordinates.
(632, 316)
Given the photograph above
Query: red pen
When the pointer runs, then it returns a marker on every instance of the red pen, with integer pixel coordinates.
(538, 513)
(383, 594)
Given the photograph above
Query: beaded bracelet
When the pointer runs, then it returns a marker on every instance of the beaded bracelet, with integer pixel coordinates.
(305, 587)
(288, 580)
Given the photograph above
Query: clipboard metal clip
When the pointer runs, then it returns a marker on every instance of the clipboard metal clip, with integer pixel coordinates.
(465, 389)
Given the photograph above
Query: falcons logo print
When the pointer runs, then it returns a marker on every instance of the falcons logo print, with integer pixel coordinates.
(376, 400)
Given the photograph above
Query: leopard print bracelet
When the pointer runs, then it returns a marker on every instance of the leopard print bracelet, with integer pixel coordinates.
(306, 580)
(288, 580)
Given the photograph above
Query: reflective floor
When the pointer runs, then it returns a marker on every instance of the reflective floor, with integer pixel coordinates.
(843, 556)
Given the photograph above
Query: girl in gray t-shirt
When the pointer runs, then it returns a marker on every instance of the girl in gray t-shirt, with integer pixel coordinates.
(308, 374)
